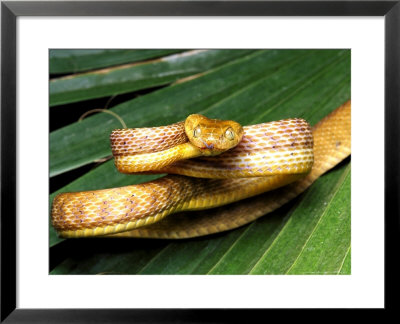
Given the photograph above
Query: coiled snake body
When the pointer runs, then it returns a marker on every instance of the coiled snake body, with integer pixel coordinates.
(264, 157)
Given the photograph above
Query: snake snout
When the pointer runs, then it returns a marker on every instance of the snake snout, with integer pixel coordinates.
(209, 146)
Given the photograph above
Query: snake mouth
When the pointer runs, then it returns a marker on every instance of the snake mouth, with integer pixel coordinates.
(207, 146)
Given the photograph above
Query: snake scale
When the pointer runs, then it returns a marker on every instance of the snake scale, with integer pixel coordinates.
(226, 164)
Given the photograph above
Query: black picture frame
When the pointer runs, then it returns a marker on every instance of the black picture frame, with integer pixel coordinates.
(10, 10)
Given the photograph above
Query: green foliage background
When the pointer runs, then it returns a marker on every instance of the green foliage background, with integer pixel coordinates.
(310, 235)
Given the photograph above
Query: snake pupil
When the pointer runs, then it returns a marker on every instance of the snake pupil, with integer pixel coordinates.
(197, 131)
(229, 134)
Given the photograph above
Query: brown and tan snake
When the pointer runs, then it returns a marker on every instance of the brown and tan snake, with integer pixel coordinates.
(264, 157)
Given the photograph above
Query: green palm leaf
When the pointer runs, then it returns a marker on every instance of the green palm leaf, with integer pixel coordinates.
(309, 235)
(135, 76)
(78, 60)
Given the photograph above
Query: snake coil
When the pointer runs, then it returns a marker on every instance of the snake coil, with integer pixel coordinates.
(211, 163)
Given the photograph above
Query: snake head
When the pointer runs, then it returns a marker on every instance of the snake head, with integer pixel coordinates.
(212, 136)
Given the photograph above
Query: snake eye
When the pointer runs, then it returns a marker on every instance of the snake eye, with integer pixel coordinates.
(197, 132)
(229, 134)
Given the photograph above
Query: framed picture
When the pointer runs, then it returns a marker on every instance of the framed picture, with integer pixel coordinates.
(108, 65)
